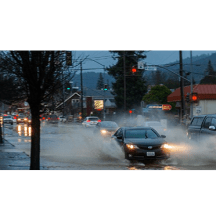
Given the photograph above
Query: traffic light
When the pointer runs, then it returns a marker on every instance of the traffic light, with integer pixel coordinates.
(188, 97)
(194, 97)
(68, 58)
(134, 69)
(105, 87)
(130, 111)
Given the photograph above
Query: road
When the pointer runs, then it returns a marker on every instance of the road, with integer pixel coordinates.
(71, 147)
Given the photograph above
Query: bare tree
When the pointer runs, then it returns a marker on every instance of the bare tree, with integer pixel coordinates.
(39, 75)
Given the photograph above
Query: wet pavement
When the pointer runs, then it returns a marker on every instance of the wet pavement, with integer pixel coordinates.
(71, 147)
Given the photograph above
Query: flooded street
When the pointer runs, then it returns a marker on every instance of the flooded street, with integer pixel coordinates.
(70, 146)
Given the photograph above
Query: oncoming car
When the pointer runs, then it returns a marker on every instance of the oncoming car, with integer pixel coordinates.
(106, 128)
(8, 119)
(90, 121)
(142, 143)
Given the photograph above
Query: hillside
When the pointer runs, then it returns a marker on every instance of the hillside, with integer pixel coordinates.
(199, 66)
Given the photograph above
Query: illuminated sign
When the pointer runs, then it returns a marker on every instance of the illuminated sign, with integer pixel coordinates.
(98, 104)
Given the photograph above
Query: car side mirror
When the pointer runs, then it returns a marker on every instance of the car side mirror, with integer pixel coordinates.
(119, 137)
(163, 136)
(212, 128)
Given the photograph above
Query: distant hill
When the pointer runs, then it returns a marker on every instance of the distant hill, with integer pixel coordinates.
(199, 66)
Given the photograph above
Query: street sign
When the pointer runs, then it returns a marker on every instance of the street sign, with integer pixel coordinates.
(151, 68)
(199, 110)
(166, 107)
(141, 65)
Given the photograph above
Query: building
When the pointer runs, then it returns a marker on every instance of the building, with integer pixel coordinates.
(206, 103)
(72, 104)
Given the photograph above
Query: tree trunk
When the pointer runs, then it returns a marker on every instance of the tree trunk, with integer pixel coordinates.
(35, 140)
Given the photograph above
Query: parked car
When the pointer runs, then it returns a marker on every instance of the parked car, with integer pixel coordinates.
(202, 126)
(141, 143)
(90, 121)
(106, 128)
(52, 119)
(8, 119)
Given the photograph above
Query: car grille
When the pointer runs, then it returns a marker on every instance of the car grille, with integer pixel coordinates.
(146, 147)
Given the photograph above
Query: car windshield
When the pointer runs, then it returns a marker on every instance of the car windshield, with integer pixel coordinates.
(140, 133)
(109, 124)
(53, 116)
(7, 116)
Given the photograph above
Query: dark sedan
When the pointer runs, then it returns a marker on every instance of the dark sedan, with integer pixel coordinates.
(141, 143)
(106, 128)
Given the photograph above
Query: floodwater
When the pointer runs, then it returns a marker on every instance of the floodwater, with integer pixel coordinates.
(70, 146)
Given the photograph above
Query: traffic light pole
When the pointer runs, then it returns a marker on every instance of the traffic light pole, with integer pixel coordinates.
(181, 87)
(124, 83)
(191, 70)
(81, 89)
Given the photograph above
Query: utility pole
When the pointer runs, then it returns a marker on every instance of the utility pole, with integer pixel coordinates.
(191, 70)
(63, 93)
(182, 111)
(81, 89)
(124, 83)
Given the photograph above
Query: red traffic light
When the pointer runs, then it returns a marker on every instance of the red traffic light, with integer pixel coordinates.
(134, 69)
(194, 97)
(130, 111)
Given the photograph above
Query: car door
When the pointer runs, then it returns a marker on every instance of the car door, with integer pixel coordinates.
(194, 127)
(205, 132)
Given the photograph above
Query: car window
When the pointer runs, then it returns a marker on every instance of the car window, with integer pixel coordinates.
(93, 119)
(7, 116)
(207, 122)
(213, 122)
(119, 132)
(140, 133)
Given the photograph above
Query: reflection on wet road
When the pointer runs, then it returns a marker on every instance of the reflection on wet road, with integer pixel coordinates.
(23, 130)
(79, 148)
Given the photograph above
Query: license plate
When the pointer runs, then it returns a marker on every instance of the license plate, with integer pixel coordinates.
(150, 154)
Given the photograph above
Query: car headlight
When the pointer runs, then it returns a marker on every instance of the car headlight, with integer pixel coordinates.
(166, 146)
(131, 146)
(103, 131)
(18, 119)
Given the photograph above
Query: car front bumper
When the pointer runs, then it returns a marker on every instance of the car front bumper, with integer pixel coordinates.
(142, 154)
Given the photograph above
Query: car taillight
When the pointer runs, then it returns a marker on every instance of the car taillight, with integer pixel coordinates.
(48, 118)
(43, 118)
(88, 121)
(14, 117)
(58, 118)
(99, 120)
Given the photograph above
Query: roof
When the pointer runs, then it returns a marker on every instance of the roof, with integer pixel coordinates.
(94, 93)
(205, 92)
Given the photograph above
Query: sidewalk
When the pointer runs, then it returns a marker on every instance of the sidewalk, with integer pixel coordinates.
(12, 159)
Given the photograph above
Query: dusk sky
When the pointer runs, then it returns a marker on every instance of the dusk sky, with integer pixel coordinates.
(153, 57)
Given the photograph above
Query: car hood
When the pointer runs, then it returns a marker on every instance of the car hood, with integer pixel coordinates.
(144, 141)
